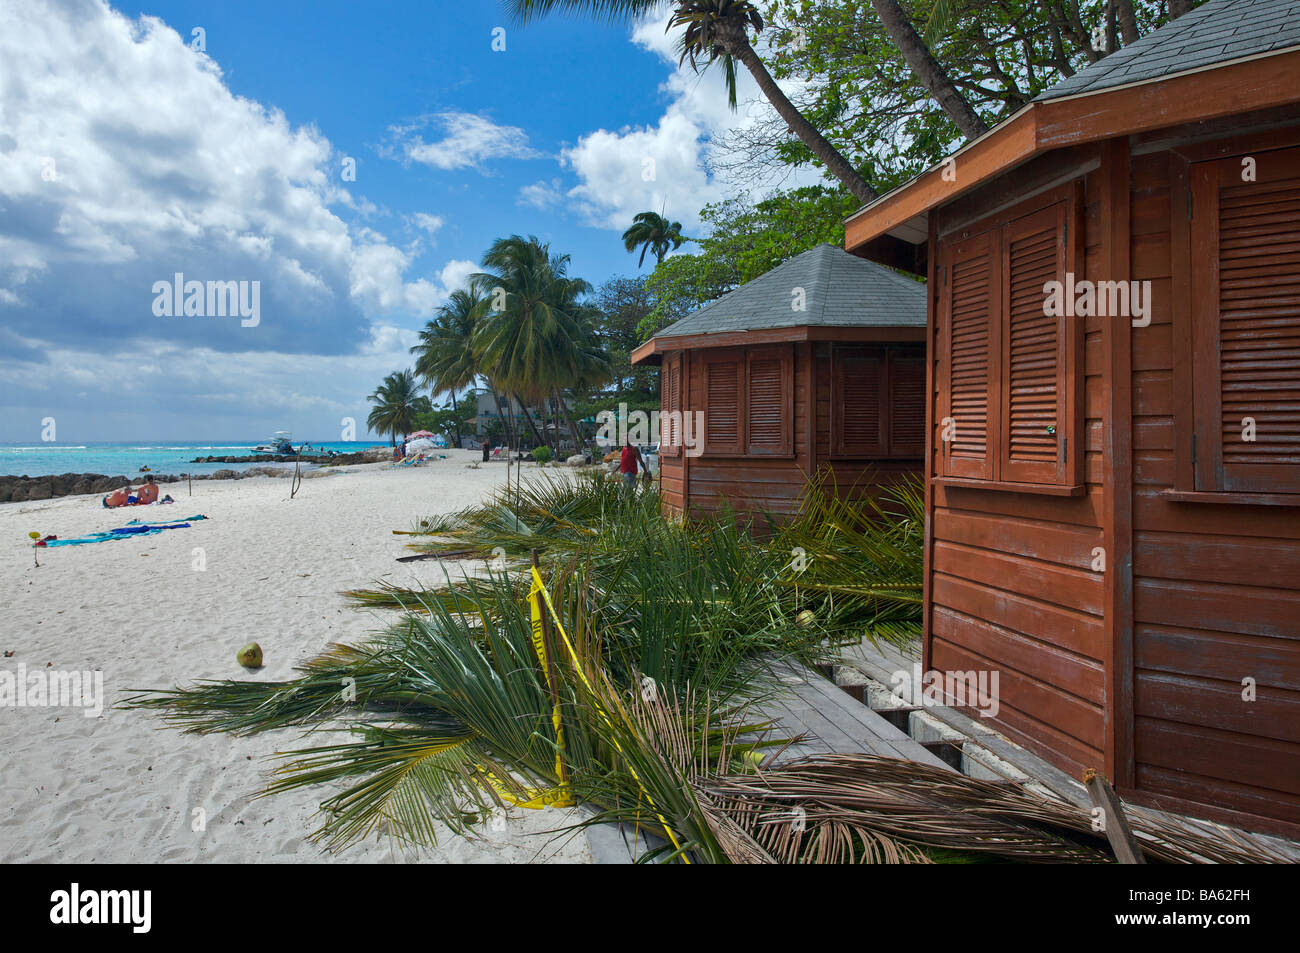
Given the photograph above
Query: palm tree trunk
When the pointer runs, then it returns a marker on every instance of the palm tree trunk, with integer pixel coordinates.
(505, 421)
(927, 69)
(738, 46)
(546, 433)
(455, 418)
(568, 418)
(529, 417)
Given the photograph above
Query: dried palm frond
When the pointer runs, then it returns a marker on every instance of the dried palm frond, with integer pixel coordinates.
(834, 796)
(841, 807)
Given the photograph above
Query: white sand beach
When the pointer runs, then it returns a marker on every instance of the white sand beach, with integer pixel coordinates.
(120, 787)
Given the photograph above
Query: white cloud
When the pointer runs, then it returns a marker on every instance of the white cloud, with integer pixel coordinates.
(455, 274)
(124, 158)
(157, 168)
(541, 195)
(430, 223)
(468, 140)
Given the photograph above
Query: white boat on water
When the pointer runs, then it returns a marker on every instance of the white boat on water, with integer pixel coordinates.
(281, 443)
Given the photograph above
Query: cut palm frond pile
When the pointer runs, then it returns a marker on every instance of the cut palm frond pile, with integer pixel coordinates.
(666, 635)
(844, 565)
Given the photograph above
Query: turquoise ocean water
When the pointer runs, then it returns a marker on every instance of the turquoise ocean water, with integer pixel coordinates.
(126, 458)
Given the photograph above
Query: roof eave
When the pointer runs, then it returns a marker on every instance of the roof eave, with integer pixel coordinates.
(652, 351)
(1247, 84)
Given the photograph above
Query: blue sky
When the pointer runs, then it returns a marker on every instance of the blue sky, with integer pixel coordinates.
(128, 155)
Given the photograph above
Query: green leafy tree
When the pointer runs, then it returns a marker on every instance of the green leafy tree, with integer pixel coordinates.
(445, 420)
(863, 82)
(397, 404)
(745, 240)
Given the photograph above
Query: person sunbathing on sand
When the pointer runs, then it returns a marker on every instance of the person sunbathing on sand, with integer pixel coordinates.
(119, 497)
(147, 493)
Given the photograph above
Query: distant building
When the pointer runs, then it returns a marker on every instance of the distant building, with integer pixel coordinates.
(485, 411)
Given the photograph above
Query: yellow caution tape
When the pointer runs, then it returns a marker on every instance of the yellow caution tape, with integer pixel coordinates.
(564, 798)
(539, 590)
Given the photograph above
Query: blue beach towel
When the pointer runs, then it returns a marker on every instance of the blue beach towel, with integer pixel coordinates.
(129, 531)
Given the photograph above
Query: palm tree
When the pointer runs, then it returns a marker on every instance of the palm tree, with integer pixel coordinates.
(716, 31)
(397, 402)
(530, 338)
(445, 355)
(926, 68)
(650, 231)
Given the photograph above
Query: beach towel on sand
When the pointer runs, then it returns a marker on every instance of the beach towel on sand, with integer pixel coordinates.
(129, 531)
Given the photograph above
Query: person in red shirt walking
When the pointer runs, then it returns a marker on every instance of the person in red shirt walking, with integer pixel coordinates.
(627, 464)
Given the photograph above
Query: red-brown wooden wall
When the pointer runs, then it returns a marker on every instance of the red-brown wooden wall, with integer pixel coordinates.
(1137, 669)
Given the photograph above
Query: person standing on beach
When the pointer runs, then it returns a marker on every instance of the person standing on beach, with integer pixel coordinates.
(628, 459)
(485, 450)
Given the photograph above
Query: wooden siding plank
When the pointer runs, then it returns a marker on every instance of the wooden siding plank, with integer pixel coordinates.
(1047, 582)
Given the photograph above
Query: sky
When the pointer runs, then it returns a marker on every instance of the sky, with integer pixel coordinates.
(353, 160)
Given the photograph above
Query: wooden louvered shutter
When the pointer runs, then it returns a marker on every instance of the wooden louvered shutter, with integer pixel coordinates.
(1246, 323)
(723, 375)
(858, 401)
(1034, 419)
(907, 402)
(769, 411)
(968, 346)
(670, 406)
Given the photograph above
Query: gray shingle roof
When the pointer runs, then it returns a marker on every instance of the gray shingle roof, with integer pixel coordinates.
(1215, 32)
(839, 290)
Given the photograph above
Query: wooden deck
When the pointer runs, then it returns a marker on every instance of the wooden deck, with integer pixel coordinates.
(830, 720)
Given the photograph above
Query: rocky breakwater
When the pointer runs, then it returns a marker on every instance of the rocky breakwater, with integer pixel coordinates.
(20, 489)
(369, 455)
(17, 489)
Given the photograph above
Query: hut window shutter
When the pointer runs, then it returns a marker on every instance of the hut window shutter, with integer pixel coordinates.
(1246, 323)
(968, 345)
(723, 375)
(769, 413)
(859, 396)
(670, 404)
(907, 402)
(1034, 417)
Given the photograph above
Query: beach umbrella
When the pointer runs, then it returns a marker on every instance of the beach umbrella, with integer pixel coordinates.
(420, 433)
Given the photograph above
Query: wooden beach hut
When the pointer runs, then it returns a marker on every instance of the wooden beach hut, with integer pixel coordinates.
(1113, 474)
(816, 365)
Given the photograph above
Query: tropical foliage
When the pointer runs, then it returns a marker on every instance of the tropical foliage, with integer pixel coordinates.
(526, 328)
(397, 404)
(651, 232)
(445, 357)
(892, 89)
